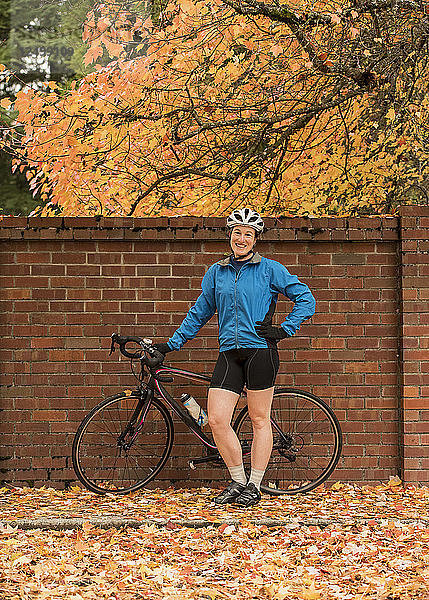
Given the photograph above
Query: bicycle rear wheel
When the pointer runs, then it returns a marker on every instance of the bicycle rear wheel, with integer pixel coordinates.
(307, 442)
(99, 459)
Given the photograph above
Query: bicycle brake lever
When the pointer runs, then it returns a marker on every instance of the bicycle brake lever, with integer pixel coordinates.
(155, 360)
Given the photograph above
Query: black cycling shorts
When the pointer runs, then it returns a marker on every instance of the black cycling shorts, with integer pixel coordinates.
(254, 367)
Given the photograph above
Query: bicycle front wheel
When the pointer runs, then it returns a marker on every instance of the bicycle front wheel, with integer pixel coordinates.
(307, 442)
(106, 461)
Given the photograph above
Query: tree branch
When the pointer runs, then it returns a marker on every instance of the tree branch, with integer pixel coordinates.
(267, 121)
(297, 24)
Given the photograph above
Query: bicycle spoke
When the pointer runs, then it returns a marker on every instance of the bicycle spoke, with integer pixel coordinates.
(307, 441)
(106, 459)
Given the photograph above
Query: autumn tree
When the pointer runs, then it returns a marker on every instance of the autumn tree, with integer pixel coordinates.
(304, 107)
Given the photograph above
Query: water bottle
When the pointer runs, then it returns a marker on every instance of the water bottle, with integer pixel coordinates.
(194, 409)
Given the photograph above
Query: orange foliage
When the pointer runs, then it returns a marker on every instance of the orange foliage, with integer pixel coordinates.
(210, 109)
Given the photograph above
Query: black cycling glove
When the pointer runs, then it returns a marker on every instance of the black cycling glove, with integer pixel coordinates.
(269, 332)
(162, 347)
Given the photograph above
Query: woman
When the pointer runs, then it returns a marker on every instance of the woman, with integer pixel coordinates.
(243, 289)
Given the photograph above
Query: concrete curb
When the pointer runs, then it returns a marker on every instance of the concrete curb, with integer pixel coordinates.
(108, 522)
(119, 522)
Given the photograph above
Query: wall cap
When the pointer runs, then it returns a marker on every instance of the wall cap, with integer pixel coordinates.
(381, 228)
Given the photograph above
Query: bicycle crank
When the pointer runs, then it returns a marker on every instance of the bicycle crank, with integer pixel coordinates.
(204, 459)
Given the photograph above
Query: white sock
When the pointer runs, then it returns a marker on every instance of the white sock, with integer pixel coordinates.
(237, 474)
(256, 477)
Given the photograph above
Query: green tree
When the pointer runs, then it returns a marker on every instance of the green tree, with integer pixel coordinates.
(40, 40)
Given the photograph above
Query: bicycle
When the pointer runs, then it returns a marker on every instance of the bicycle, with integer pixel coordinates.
(124, 442)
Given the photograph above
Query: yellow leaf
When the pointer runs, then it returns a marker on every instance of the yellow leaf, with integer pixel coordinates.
(189, 7)
(276, 592)
(80, 545)
(5, 103)
(394, 481)
(87, 526)
(210, 593)
(390, 114)
(111, 565)
(311, 593)
(145, 571)
(276, 50)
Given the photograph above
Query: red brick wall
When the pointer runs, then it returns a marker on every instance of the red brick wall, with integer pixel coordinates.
(415, 342)
(67, 284)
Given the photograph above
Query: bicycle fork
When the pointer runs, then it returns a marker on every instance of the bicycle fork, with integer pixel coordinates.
(139, 416)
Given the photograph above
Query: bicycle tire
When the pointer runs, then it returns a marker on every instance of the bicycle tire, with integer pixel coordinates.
(308, 448)
(96, 454)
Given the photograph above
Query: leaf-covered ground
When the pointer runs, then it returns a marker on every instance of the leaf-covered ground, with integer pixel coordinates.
(374, 545)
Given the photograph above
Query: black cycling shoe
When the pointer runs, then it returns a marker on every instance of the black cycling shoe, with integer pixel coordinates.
(249, 496)
(230, 493)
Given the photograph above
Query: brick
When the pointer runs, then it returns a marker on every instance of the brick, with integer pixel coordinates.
(348, 259)
(47, 342)
(187, 271)
(138, 307)
(327, 271)
(156, 294)
(47, 269)
(102, 282)
(153, 270)
(416, 427)
(14, 294)
(137, 282)
(118, 270)
(30, 258)
(87, 222)
(68, 282)
(53, 222)
(115, 319)
(14, 222)
(412, 401)
(83, 270)
(328, 342)
(101, 307)
(367, 271)
(417, 476)
(66, 355)
(103, 258)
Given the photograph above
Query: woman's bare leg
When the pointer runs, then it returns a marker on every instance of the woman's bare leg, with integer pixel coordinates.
(220, 407)
(259, 404)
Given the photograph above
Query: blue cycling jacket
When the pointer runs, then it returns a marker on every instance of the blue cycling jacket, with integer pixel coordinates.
(243, 298)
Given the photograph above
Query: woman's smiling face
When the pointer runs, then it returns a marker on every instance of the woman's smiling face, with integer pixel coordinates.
(242, 240)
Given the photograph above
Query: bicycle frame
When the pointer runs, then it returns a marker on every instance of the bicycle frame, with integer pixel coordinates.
(178, 407)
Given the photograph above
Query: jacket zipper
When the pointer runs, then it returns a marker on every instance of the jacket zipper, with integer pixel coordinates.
(235, 305)
(237, 275)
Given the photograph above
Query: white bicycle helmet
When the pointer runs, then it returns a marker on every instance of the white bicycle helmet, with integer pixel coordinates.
(245, 216)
